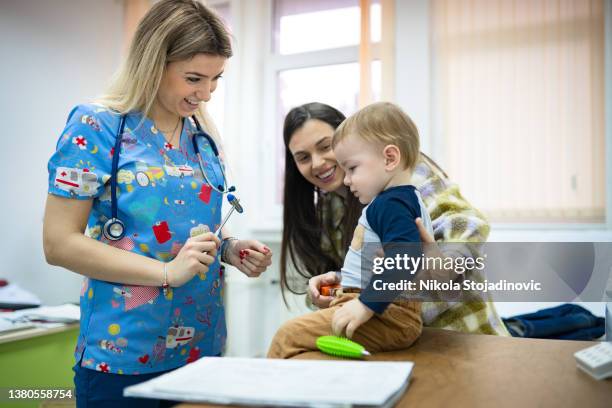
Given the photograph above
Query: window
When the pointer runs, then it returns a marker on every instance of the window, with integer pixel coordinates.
(336, 24)
(336, 85)
(315, 47)
(89, 178)
(519, 92)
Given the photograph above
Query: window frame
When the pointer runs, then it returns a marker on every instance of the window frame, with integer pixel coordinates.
(269, 221)
(608, 108)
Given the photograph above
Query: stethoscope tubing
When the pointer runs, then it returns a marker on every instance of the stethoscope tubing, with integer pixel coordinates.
(115, 166)
(114, 228)
(221, 189)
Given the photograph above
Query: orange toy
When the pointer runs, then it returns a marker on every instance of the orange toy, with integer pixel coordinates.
(328, 290)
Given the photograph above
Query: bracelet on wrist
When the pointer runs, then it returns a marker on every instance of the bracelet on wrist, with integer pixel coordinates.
(165, 284)
(225, 247)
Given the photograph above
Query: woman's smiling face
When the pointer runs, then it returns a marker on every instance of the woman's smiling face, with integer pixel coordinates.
(311, 147)
(185, 84)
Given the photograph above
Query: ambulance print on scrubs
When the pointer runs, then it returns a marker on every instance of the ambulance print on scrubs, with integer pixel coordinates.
(76, 181)
(162, 196)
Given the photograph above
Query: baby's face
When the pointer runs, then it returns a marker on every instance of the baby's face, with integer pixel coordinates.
(364, 167)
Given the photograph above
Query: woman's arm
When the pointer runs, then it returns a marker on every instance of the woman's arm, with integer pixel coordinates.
(454, 219)
(65, 245)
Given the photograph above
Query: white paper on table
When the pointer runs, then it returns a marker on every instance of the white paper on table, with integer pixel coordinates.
(7, 325)
(67, 313)
(63, 313)
(281, 382)
(15, 294)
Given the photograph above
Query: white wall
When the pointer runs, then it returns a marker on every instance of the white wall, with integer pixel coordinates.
(54, 54)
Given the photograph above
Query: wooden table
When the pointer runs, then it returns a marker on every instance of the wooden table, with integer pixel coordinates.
(470, 370)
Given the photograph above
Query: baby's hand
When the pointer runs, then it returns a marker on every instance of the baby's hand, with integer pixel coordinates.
(349, 317)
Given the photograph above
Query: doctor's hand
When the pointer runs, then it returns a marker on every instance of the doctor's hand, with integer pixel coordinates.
(194, 258)
(314, 291)
(250, 257)
(349, 317)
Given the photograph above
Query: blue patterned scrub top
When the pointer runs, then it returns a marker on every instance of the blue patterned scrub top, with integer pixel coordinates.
(163, 199)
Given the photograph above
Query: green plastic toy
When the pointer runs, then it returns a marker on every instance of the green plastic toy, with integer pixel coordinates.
(341, 347)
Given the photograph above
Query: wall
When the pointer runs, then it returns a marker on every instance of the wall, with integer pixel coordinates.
(55, 54)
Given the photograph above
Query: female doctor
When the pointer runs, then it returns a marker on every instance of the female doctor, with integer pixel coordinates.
(151, 299)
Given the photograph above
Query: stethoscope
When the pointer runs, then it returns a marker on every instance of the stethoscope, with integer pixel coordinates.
(114, 228)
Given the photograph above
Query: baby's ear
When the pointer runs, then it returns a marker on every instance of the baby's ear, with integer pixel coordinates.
(393, 156)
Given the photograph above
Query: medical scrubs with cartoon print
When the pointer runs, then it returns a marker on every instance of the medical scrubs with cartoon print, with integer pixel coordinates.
(163, 200)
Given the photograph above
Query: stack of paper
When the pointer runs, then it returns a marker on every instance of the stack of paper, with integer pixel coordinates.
(7, 325)
(12, 296)
(45, 317)
(304, 383)
(67, 313)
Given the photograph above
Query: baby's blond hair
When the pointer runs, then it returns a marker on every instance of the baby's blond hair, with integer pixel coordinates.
(383, 123)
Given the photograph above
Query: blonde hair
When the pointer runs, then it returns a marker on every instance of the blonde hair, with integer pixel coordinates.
(383, 123)
(172, 30)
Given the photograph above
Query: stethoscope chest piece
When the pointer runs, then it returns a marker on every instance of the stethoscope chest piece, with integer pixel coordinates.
(114, 229)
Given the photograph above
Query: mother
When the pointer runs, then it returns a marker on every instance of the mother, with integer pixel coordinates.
(319, 217)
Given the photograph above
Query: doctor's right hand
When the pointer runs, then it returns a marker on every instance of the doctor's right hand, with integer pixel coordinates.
(314, 285)
(195, 257)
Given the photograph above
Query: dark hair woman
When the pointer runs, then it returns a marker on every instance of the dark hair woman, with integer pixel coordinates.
(320, 216)
(319, 210)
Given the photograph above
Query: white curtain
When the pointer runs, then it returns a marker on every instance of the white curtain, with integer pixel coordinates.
(519, 102)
